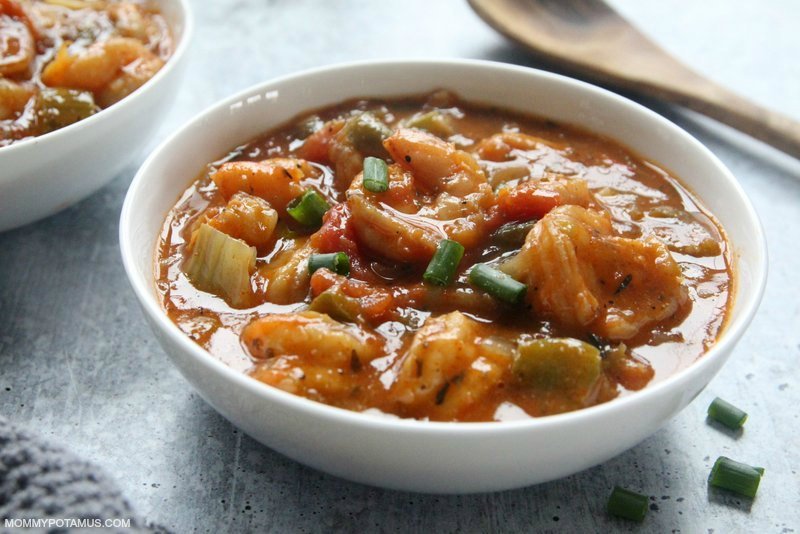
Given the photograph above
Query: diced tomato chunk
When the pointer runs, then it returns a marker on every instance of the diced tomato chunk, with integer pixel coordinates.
(375, 303)
(495, 218)
(322, 280)
(336, 233)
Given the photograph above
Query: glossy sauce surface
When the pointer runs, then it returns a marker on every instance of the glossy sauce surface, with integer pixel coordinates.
(642, 200)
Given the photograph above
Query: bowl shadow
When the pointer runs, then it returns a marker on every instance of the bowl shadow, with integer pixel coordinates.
(248, 487)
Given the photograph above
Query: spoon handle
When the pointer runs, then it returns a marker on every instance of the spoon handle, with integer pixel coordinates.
(715, 101)
(590, 39)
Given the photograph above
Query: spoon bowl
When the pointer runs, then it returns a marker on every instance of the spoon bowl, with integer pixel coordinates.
(593, 41)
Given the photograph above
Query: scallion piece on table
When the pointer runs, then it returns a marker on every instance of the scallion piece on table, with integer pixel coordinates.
(308, 208)
(627, 504)
(735, 476)
(497, 283)
(443, 266)
(338, 262)
(727, 414)
(376, 175)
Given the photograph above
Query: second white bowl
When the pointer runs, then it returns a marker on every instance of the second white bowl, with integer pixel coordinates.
(45, 174)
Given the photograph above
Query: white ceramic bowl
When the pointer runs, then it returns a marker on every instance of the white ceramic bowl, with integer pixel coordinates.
(416, 455)
(45, 174)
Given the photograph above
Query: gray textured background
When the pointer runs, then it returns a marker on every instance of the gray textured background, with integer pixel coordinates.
(79, 364)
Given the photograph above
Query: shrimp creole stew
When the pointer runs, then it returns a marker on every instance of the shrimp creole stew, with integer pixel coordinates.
(435, 259)
(63, 60)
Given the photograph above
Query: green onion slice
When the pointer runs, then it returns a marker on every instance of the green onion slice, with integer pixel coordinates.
(735, 476)
(727, 414)
(338, 262)
(497, 283)
(443, 266)
(376, 175)
(308, 208)
(627, 504)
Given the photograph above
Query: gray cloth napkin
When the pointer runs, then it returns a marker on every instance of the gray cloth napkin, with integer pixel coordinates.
(42, 481)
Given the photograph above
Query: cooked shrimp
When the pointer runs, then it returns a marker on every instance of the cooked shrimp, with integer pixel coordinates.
(308, 352)
(316, 147)
(462, 193)
(248, 218)
(287, 274)
(17, 112)
(581, 274)
(13, 97)
(110, 69)
(132, 76)
(346, 159)
(319, 382)
(532, 198)
(449, 367)
(512, 157)
(435, 191)
(436, 164)
(500, 146)
(388, 218)
(131, 20)
(330, 145)
(17, 41)
(276, 180)
(313, 336)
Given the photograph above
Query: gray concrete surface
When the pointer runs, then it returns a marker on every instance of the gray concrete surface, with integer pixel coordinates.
(78, 363)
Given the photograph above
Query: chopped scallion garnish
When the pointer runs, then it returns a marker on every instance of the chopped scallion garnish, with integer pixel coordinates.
(443, 266)
(727, 414)
(376, 175)
(735, 476)
(627, 504)
(338, 262)
(308, 208)
(497, 283)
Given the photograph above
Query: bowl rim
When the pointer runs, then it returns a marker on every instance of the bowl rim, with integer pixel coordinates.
(731, 332)
(107, 114)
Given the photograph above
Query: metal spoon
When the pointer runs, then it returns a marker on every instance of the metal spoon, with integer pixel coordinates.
(591, 39)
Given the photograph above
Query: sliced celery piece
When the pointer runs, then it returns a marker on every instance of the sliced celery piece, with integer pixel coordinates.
(222, 265)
